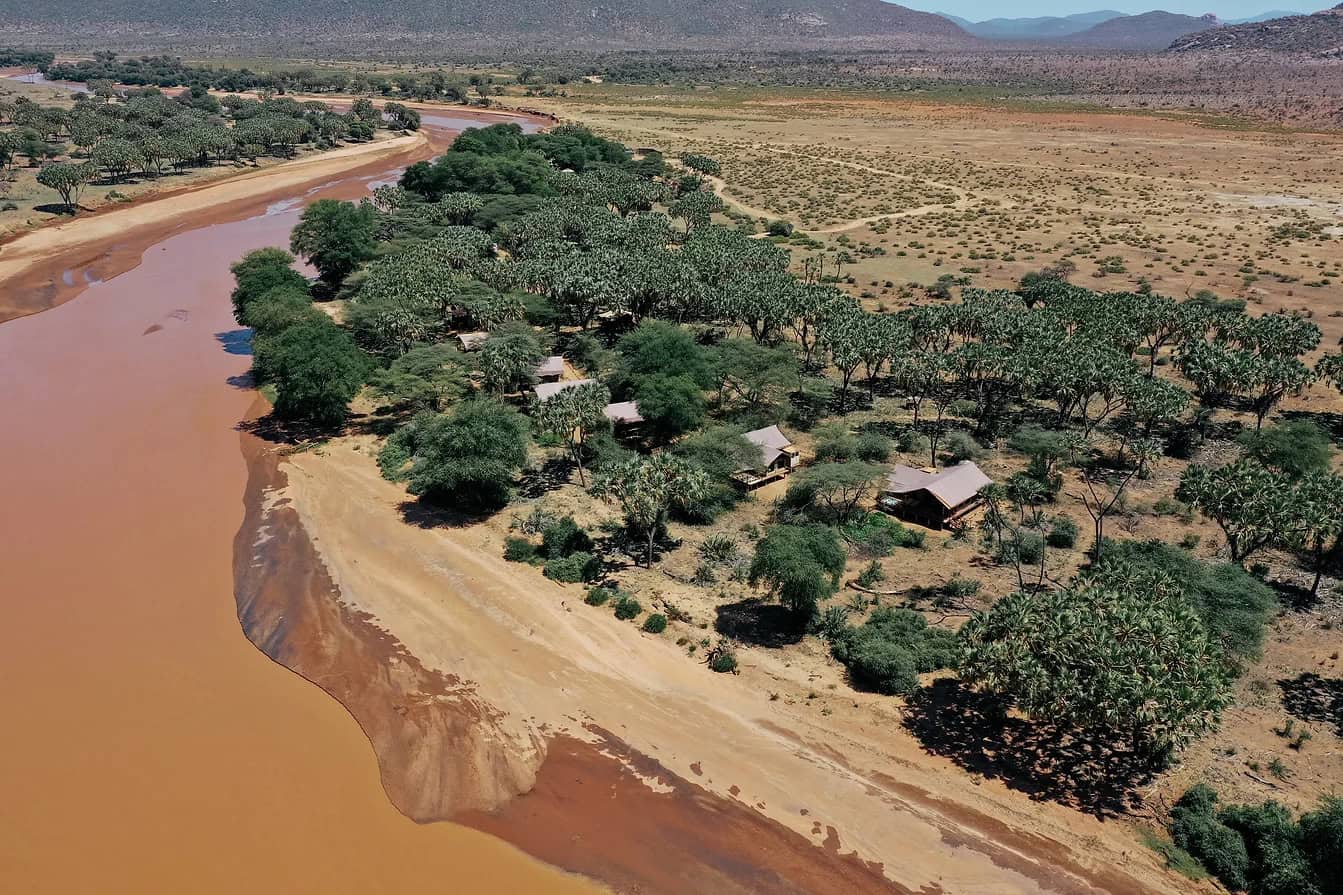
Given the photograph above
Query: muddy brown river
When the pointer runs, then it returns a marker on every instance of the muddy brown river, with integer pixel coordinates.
(148, 746)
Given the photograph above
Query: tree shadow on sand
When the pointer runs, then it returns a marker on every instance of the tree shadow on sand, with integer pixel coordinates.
(1095, 775)
(1313, 698)
(758, 623)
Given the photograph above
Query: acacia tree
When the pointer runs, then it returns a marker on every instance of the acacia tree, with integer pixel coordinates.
(1120, 653)
(1100, 493)
(647, 488)
(67, 180)
(574, 415)
(1252, 504)
(800, 565)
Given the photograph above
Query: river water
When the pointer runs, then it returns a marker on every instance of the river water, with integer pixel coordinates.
(148, 746)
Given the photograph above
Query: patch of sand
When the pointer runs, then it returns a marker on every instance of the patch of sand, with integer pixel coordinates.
(540, 665)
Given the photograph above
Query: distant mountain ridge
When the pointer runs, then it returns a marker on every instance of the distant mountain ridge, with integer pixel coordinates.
(640, 22)
(1035, 28)
(1154, 30)
(1317, 34)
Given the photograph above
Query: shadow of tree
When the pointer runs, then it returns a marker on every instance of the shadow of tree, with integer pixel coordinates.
(236, 341)
(1048, 763)
(549, 476)
(1313, 698)
(758, 623)
(426, 514)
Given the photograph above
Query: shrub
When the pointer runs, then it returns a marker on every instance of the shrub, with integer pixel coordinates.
(722, 659)
(888, 651)
(960, 446)
(626, 607)
(1062, 533)
(1322, 841)
(598, 596)
(871, 575)
(873, 447)
(1196, 829)
(519, 550)
(834, 442)
(563, 537)
(878, 535)
(655, 623)
(1234, 606)
(719, 549)
(572, 569)
(1295, 448)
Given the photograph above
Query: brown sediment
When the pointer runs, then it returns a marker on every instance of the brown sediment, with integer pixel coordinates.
(597, 816)
(589, 810)
(149, 747)
(414, 717)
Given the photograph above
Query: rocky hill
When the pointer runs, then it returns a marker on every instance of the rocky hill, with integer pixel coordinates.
(1320, 34)
(1149, 31)
(615, 22)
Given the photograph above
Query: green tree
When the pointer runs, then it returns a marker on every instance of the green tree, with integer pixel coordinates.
(316, 369)
(335, 237)
(427, 377)
(833, 492)
(1322, 841)
(1252, 504)
(1126, 657)
(670, 404)
(509, 358)
(259, 272)
(575, 415)
(67, 180)
(1318, 507)
(469, 457)
(647, 488)
(800, 565)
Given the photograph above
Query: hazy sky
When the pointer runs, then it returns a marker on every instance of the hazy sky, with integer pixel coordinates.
(1226, 9)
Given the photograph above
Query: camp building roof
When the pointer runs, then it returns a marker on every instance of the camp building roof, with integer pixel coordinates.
(771, 442)
(951, 487)
(546, 390)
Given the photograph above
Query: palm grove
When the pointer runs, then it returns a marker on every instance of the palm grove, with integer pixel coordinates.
(566, 242)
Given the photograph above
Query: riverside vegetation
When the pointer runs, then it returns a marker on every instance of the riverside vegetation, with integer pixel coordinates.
(125, 139)
(1123, 647)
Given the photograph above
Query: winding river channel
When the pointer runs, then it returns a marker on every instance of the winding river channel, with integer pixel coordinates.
(148, 746)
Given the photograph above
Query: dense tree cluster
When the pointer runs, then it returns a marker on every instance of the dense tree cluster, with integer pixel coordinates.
(110, 136)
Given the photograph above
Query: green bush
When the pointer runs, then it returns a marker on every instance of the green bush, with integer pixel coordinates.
(564, 537)
(878, 535)
(873, 447)
(961, 446)
(888, 651)
(1322, 841)
(572, 569)
(1195, 828)
(626, 607)
(1062, 533)
(519, 550)
(598, 596)
(1234, 605)
(655, 623)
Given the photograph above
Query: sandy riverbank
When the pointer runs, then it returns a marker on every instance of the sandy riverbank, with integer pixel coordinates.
(34, 265)
(505, 703)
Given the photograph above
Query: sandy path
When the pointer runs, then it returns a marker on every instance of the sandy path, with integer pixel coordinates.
(530, 662)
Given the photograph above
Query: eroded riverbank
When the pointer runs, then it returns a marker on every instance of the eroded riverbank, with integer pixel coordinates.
(149, 746)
